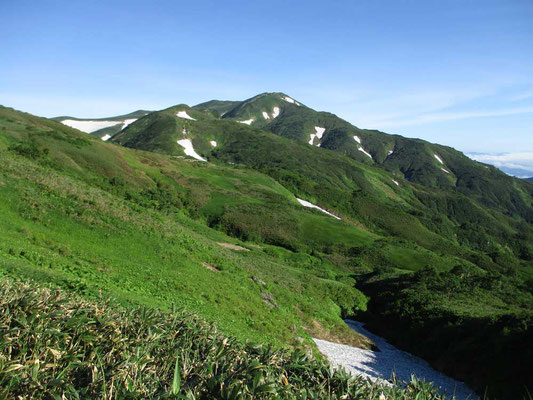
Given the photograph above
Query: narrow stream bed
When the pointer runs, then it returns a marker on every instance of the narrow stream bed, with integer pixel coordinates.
(380, 365)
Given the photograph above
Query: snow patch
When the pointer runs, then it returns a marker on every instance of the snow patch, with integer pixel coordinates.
(265, 115)
(189, 150)
(438, 158)
(357, 139)
(248, 121)
(319, 132)
(381, 365)
(275, 112)
(183, 114)
(289, 100)
(89, 126)
(311, 205)
(396, 182)
(364, 151)
(445, 170)
(126, 122)
(106, 137)
(213, 143)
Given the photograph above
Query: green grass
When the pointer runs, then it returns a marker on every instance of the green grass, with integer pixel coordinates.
(55, 345)
(95, 217)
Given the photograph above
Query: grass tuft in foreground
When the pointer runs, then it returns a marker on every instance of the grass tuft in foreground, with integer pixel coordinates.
(54, 346)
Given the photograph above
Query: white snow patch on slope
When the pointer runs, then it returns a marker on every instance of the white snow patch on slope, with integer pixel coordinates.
(364, 151)
(89, 126)
(183, 114)
(311, 205)
(445, 170)
(357, 139)
(289, 100)
(126, 122)
(213, 143)
(381, 365)
(265, 115)
(248, 121)
(275, 112)
(106, 137)
(396, 182)
(319, 132)
(438, 158)
(189, 150)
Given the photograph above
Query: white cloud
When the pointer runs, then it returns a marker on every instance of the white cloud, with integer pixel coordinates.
(519, 161)
(447, 116)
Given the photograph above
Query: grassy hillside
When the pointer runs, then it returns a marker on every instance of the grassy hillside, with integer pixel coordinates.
(472, 218)
(55, 345)
(370, 196)
(95, 217)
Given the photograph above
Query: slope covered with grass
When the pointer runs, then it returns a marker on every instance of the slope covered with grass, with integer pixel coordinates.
(55, 345)
(95, 217)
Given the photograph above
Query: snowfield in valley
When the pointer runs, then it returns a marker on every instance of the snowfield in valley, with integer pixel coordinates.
(89, 126)
(380, 365)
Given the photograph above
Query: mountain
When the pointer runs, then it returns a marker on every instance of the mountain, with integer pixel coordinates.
(104, 128)
(431, 206)
(272, 238)
(529, 179)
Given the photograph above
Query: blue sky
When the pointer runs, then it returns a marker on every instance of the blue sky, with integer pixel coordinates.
(458, 73)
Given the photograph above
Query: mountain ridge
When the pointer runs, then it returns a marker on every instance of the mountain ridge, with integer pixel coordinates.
(457, 255)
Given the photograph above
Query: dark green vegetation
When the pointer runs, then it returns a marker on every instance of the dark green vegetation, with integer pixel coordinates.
(476, 326)
(150, 226)
(54, 346)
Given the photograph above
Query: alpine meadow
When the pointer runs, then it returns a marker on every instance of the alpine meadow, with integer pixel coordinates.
(266, 201)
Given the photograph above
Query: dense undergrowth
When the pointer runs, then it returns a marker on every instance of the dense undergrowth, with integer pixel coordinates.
(477, 327)
(54, 345)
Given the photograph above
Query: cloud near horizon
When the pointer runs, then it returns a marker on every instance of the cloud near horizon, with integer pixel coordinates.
(520, 162)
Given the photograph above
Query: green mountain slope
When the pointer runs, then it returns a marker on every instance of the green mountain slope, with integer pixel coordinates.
(187, 186)
(438, 219)
(94, 217)
(470, 217)
(139, 353)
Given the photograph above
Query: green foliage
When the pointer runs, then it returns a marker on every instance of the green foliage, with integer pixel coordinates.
(53, 345)
(138, 226)
(30, 150)
(468, 323)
